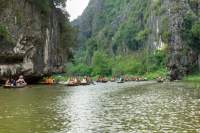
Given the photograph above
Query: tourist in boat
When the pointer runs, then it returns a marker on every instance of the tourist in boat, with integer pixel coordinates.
(113, 79)
(84, 81)
(13, 82)
(76, 81)
(50, 80)
(89, 80)
(8, 82)
(121, 80)
(21, 81)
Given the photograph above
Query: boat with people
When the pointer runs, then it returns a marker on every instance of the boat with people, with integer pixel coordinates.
(113, 79)
(160, 80)
(85, 81)
(73, 81)
(48, 81)
(12, 83)
(76, 81)
(102, 79)
(14, 87)
(121, 80)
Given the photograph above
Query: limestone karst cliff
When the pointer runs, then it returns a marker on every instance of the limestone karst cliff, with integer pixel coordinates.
(129, 26)
(32, 38)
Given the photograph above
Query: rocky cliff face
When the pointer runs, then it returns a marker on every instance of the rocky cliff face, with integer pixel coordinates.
(182, 57)
(30, 41)
(124, 27)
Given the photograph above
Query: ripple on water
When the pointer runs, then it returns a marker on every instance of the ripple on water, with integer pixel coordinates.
(112, 107)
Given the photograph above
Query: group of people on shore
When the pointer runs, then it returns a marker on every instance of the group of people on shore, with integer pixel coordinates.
(19, 82)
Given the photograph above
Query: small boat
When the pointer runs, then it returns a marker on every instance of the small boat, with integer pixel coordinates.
(160, 80)
(63, 83)
(13, 87)
(84, 83)
(104, 81)
(72, 84)
(120, 81)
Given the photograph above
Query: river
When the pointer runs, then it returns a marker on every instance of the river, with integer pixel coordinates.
(111, 107)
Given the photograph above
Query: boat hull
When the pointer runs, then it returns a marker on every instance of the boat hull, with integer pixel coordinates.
(14, 87)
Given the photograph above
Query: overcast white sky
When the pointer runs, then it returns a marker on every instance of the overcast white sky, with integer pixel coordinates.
(76, 7)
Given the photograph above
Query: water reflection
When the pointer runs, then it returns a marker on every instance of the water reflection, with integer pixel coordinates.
(129, 107)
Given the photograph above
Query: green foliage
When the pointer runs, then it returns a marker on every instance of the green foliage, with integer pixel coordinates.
(157, 6)
(196, 32)
(80, 69)
(142, 35)
(3, 5)
(191, 31)
(68, 34)
(5, 34)
(42, 5)
(151, 66)
(114, 25)
(45, 5)
(195, 77)
(160, 72)
(127, 65)
(194, 4)
(165, 30)
(101, 64)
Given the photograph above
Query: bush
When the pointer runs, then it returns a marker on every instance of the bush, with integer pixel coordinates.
(42, 5)
(105, 65)
(80, 70)
(100, 64)
(191, 31)
(5, 34)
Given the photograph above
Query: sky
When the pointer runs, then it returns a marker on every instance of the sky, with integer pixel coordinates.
(76, 7)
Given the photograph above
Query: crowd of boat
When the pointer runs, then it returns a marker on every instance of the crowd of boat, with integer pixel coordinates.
(76, 81)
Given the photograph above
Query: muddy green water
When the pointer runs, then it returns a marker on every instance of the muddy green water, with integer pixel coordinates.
(130, 107)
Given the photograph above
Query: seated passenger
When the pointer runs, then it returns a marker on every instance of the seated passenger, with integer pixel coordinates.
(13, 82)
(8, 82)
(50, 80)
(21, 81)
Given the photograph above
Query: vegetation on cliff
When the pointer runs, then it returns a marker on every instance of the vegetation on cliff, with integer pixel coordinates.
(191, 30)
(36, 38)
(113, 39)
(4, 33)
(128, 37)
(141, 64)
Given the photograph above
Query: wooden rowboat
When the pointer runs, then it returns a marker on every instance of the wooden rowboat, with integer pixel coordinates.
(85, 83)
(72, 84)
(13, 87)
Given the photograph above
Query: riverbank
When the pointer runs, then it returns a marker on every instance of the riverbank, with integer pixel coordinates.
(192, 78)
